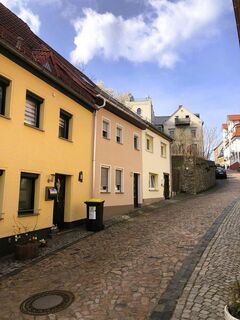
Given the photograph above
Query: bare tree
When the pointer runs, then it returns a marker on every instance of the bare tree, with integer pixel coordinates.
(211, 138)
(120, 96)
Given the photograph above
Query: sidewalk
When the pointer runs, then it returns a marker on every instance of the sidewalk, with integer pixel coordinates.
(64, 239)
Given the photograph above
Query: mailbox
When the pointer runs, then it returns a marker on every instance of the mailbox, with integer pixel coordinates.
(51, 193)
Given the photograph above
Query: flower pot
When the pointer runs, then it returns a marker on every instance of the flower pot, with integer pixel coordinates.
(27, 250)
(227, 315)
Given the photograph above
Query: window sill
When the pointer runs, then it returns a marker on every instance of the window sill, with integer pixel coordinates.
(119, 142)
(153, 189)
(137, 149)
(119, 192)
(5, 117)
(106, 138)
(149, 151)
(101, 191)
(30, 126)
(22, 215)
(164, 157)
(68, 140)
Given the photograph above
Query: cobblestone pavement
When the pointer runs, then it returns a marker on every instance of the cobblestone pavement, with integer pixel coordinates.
(206, 292)
(121, 272)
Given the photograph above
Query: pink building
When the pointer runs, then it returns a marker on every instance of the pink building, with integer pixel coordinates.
(117, 160)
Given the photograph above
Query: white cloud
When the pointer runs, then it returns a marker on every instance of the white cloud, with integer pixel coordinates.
(159, 36)
(21, 8)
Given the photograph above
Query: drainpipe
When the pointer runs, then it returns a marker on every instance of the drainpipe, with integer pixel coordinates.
(95, 140)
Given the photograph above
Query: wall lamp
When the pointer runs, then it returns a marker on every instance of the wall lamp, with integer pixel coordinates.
(80, 176)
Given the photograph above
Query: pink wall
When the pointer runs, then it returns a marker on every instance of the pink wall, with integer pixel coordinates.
(109, 152)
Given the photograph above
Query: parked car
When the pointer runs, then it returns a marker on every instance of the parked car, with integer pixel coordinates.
(220, 173)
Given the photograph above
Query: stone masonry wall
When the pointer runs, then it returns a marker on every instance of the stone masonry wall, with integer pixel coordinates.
(191, 174)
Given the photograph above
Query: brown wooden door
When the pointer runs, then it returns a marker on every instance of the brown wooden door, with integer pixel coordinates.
(59, 203)
(136, 190)
(166, 186)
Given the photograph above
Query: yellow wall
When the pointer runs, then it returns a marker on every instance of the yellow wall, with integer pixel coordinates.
(25, 149)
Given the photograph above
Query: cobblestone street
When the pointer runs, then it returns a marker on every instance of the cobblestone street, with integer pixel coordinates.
(122, 272)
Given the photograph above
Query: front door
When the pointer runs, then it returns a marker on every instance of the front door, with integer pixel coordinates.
(166, 186)
(136, 190)
(59, 203)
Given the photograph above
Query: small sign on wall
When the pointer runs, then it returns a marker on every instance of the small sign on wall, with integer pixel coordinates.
(92, 213)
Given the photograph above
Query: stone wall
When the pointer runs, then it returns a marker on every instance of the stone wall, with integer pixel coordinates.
(191, 174)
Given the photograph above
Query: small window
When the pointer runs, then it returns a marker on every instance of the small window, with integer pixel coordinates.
(171, 133)
(194, 133)
(32, 109)
(149, 143)
(4, 83)
(152, 181)
(136, 142)
(119, 135)
(118, 180)
(64, 122)
(139, 111)
(27, 193)
(105, 179)
(105, 129)
(163, 150)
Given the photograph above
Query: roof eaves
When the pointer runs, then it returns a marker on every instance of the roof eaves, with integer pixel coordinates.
(40, 71)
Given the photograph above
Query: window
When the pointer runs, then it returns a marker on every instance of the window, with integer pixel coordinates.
(163, 150)
(194, 133)
(194, 148)
(152, 181)
(105, 129)
(136, 142)
(4, 83)
(27, 193)
(64, 122)
(119, 180)
(139, 111)
(32, 109)
(171, 133)
(105, 179)
(119, 135)
(149, 143)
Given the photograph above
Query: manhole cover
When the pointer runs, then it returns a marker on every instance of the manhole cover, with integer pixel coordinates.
(47, 302)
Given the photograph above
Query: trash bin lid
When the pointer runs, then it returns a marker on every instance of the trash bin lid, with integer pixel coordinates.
(97, 200)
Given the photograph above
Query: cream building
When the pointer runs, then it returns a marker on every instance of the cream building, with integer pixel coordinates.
(186, 128)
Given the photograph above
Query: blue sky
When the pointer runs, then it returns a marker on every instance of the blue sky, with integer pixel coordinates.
(177, 52)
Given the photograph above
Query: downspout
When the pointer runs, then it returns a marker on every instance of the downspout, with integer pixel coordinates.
(95, 141)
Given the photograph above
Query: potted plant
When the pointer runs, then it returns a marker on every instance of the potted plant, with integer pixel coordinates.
(26, 241)
(232, 309)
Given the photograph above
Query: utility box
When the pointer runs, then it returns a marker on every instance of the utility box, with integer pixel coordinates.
(95, 208)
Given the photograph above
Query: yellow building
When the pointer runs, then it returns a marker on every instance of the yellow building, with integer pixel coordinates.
(46, 126)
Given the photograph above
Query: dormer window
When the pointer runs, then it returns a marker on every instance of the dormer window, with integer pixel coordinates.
(139, 111)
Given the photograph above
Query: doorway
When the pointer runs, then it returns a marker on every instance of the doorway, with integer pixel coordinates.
(136, 190)
(59, 203)
(166, 186)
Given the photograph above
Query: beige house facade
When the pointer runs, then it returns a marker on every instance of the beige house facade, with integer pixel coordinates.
(117, 165)
(186, 128)
(156, 155)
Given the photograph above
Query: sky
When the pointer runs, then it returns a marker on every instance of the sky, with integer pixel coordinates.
(178, 52)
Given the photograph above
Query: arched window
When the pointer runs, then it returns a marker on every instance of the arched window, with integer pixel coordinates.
(139, 111)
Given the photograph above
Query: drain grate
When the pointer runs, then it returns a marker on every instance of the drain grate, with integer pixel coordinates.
(47, 302)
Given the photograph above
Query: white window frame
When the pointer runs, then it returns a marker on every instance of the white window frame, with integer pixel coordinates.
(156, 181)
(138, 144)
(194, 133)
(165, 147)
(171, 130)
(109, 178)
(109, 128)
(151, 143)
(122, 180)
(118, 126)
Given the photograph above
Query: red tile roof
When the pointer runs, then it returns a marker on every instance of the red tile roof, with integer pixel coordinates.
(233, 117)
(237, 132)
(224, 126)
(16, 34)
